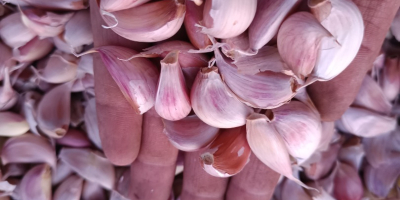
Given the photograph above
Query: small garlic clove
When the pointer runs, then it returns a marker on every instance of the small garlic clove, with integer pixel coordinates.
(348, 184)
(53, 5)
(328, 131)
(365, 123)
(116, 5)
(53, 112)
(90, 165)
(29, 109)
(189, 133)
(36, 184)
(92, 191)
(214, 104)
(268, 145)
(33, 50)
(292, 191)
(78, 30)
(321, 168)
(262, 90)
(137, 78)
(344, 21)
(91, 123)
(28, 148)
(44, 23)
(13, 32)
(13, 169)
(390, 78)
(74, 138)
(395, 28)
(70, 189)
(378, 150)
(193, 16)
(236, 47)
(12, 124)
(163, 20)
(371, 96)
(352, 153)
(228, 154)
(172, 100)
(269, 16)
(8, 96)
(311, 38)
(380, 180)
(300, 128)
(61, 173)
(223, 19)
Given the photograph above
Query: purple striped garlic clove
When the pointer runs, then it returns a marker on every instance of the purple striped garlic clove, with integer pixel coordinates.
(36, 184)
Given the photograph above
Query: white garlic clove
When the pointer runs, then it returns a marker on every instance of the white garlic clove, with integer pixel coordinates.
(13, 32)
(321, 168)
(116, 5)
(172, 100)
(36, 184)
(12, 124)
(92, 191)
(61, 173)
(380, 180)
(70, 188)
(193, 16)
(348, 184)
(214, 104)
(390, 78)
(352, 153)
(33, 50)
(78, 30)
(74, 138)
(91, 123)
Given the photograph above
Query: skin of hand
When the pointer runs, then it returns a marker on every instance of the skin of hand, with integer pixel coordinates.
(126, 141)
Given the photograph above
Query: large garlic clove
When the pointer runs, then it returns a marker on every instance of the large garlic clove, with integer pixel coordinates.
(268, 145)
(74, 138)
(8, 96)
(90, 165)
(116, 5)
(390, 78)
(28, 148)
(269, 16)
(311, 39)
(292, 191)
(228, 154)
(92, 191)
(372, 97)
(352, 153)
(343, 20)
(91, 123)
(380, 180)
(214, 104)
(236, 47)
(226, 19)
(13, 32)
(300, 128)
(29, 109)
(151, 22)
(55, 5)
(395, 28)
(53, 112)
(70, 189)
(172, 100)
(12, 124)
(365, 123)
(378, 149)
(78, 31)
(61, 173)
(189, 133)
(36, 184)
(43, 23)
(193, 16)
(327, 160)
(262, 90)
(33, 50)
(348, 184)
(60, 68)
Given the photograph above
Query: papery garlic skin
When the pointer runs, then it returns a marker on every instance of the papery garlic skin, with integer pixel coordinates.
(226, 19)
(214, 104)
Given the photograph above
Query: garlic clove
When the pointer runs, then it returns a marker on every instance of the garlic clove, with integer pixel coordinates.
(311, 38)
(189, 133)
(214, 104)
(236, 47)
(300, 128)
(380, 180)
(223, 19)
(348, 184)
(44, 23)
(228, 154)
(352, 153)
(269, 16)
(193, 16)
(344, 21)
(395, 28)
(29, 109)
(78, 30)
(321, 168)
(365, 123)
(113, 5)
(33, 50)
(91, 123)
(390, 78)
(36, 184)
(74, 138)
(13, 32)
(90, 165)
(8, 96)
(172, 100)
(70, 189)
(378, 149)
(268, 145)
(12, 124)
(28, 148)
(53, 112)
(162, 20)
(262, 90)
(328, 131)
(60, 68)
(61, 173)
(137, 79)
(292, 191)
(92, 191)
(371, 96)
(53, 5)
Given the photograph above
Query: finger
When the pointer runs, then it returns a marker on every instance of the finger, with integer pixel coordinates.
(153, 172)
(197, 184)
(255, 182)
(332, 98)
(120, 128)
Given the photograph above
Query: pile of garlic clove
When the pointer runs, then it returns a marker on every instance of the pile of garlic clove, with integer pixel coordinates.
(224, 77)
